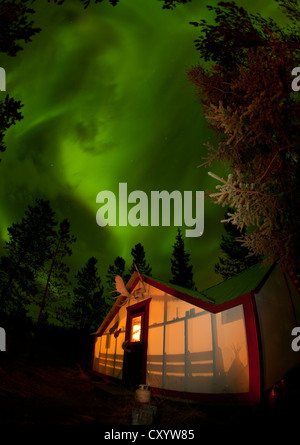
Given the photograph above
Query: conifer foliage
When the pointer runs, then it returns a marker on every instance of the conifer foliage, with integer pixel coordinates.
(10, 113)
(117, 268)
(56, 270)
(33, 272)
(139, 259)
(182, 271)
(235, 257)
(248, 101)
(27, 250)
(16, 25)
(88, 308)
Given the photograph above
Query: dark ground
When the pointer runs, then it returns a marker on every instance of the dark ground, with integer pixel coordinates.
(41, 394)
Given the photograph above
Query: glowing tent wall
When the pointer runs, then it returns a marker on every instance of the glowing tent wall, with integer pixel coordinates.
(192, 350)
(189, 349)
(108, 353)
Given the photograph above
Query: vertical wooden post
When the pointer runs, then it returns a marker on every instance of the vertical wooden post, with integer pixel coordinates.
(186, 352)
(164, 344)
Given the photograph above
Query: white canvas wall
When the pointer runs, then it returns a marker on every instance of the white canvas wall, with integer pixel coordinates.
(189, 349)
(108, 356)
(295, 300)
(276, 321)
(192, 350)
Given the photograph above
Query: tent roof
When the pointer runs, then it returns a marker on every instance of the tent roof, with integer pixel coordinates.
(241, 284)
(245, 282)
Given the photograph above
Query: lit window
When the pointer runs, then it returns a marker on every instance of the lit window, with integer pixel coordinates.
(136, 327)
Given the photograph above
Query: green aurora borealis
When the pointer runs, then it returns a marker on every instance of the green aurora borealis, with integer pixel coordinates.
(106, 100)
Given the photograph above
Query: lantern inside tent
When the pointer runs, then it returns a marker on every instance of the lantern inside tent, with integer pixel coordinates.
(136, 328)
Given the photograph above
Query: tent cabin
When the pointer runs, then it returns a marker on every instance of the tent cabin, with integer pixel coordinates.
(232, 340)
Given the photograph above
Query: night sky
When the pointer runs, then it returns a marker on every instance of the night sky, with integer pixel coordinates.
(106, 100)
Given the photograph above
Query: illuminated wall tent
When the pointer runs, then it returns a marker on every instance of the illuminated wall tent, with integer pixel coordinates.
(231, 340)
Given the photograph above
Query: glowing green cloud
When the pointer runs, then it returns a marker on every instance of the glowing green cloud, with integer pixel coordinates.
(106, 101)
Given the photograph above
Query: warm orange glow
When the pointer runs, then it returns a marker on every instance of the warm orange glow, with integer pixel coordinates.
(136, 327)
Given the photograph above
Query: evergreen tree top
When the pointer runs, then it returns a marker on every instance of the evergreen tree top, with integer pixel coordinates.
(181, 269)
(139, 259)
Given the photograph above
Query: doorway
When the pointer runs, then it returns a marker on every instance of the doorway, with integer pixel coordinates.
(135, 345)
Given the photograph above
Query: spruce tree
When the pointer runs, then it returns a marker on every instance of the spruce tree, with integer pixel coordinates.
(16, 25)
(235, 257)
(56, 270)
(117, 268)
(246, 94)
(28, 249)
(181, 269)
(10, 113)
(139, 259)
(17, 286)
(88, 307)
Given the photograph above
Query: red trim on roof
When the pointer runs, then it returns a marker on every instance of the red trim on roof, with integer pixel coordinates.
(196, 301)
(111, 314)
(295, 281)
(210, 307)
(134, 279)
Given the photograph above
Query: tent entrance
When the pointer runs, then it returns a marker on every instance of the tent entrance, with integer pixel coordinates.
(135, 345)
